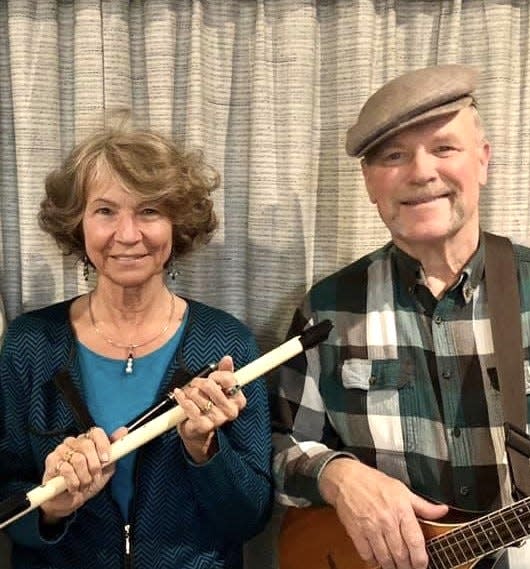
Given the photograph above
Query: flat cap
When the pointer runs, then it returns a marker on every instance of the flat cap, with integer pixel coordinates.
(411, 98)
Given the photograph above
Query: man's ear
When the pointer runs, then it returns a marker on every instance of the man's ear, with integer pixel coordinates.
(365, 167)
(484, 159)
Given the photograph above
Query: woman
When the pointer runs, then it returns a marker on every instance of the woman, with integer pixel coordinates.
(73, 374)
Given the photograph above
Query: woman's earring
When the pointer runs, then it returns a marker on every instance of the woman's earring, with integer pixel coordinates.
(172, 270)
(86, 268)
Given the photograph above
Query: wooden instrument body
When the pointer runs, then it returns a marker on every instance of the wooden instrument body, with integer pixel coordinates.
(314, 538)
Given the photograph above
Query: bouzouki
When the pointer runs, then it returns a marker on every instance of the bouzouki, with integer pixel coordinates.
(314, 538)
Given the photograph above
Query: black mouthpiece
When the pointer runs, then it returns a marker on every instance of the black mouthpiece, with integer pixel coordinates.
(13, 505)
(316, 334)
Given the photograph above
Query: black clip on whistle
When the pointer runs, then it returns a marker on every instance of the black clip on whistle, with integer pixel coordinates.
(167, 403)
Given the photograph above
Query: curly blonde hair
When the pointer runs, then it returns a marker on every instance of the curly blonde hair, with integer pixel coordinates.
(146, 164)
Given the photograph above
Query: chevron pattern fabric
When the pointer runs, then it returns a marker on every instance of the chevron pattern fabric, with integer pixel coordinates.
(183, 515)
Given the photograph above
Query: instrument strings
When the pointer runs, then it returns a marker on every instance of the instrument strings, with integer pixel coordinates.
(481, 537)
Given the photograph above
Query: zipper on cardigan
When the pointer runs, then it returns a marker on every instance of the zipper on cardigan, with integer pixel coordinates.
(128, 527)
(127, 536)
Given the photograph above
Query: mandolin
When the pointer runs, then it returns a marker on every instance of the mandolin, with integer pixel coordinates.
(314, 538)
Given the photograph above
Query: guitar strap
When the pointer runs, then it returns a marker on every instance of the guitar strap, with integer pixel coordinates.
(505, 317)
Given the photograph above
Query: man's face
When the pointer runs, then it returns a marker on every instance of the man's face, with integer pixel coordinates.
(426, 180)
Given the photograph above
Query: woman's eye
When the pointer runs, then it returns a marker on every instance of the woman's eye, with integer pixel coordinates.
(149, 211)
(104, 210)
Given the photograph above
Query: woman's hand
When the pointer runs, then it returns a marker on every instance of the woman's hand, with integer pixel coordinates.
(208, 403)
(82, 462)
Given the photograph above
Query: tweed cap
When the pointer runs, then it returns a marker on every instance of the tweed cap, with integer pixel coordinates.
(408, 99)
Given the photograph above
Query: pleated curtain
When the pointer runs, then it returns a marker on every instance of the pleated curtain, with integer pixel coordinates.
(267, 88)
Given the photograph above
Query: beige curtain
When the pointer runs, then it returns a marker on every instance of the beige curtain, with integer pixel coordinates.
(268, 89)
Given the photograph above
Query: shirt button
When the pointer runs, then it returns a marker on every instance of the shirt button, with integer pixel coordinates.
(438, 319)
(456, 432)
(446, 374)
(464, 490)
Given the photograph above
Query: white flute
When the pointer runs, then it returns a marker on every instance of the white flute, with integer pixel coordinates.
(19, 505)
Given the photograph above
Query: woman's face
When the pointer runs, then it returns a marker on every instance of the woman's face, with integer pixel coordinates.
(128, 241)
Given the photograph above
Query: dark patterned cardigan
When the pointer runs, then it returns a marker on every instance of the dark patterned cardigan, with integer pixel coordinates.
(183, 515)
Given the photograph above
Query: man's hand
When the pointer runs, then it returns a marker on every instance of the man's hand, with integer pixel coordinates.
(379, 513)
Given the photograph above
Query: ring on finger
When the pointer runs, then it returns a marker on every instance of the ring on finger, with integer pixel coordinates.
(207, 408)
(87, 434)
(68, 455)
(231, 391)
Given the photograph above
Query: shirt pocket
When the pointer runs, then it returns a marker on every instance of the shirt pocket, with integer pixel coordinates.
(374, 391)
(368, 375)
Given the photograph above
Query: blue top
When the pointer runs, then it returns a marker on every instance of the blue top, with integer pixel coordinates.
(184, 514)
(114, 397)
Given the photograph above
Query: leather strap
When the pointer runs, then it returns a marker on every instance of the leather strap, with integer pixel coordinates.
(505, 318)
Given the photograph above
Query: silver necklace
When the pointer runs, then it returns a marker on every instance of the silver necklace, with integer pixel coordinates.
(131, 348)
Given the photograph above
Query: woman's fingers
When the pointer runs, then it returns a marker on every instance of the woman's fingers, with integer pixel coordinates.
(85, 455)
(82, 461)
(208, 404)
(204, 400)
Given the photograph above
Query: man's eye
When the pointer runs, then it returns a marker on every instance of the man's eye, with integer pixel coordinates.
(445, 149)
(395, 156)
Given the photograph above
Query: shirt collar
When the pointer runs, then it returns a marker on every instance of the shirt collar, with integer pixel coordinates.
(410, 272)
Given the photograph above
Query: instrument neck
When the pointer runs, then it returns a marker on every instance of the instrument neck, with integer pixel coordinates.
(480, 537)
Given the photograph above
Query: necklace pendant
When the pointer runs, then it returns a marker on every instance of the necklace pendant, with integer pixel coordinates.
(131, 348)
(130, 362)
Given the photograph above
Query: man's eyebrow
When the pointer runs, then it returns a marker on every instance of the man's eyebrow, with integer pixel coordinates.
(383, 149)
(445, 136)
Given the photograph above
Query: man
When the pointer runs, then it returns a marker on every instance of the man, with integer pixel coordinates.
(401, 403)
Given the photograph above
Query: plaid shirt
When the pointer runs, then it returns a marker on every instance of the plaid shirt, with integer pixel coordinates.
(405, 382)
